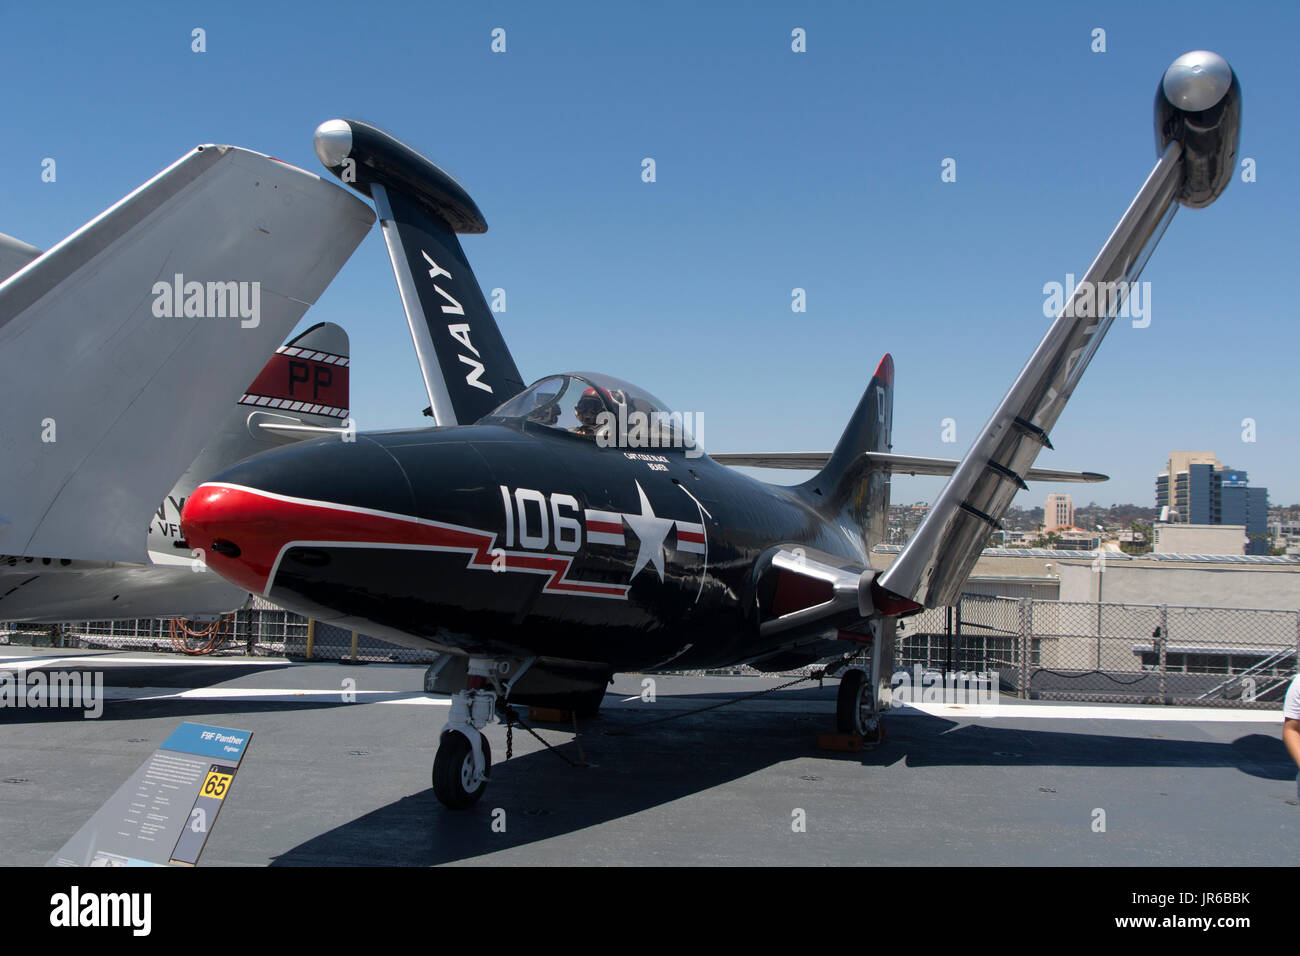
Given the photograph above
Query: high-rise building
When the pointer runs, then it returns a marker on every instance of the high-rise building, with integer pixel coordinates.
(1058, 512)
(1173, 485)
(1198, 489)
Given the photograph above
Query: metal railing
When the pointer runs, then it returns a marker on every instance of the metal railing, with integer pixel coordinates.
(1117, 653)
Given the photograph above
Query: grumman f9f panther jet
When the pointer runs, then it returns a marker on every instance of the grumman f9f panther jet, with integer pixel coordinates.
(530, 539)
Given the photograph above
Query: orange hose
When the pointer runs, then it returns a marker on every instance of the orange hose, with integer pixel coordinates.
(215, 632)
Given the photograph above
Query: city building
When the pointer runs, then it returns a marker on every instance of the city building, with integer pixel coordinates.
(1058, 513)
(1183, 538)
(1196, 488)
(1286, 534)
(1076, 539)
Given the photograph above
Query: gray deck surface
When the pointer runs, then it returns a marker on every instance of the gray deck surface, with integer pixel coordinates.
(333, 783)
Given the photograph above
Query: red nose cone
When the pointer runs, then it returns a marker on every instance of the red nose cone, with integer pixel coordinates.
(238, 532)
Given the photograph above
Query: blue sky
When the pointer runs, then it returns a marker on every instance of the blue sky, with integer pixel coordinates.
(775, 170)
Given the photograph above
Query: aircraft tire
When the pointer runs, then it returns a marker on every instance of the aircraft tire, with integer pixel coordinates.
(453, 768)
(854, 711)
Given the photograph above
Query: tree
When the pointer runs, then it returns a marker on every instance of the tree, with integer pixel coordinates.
(1139, 528)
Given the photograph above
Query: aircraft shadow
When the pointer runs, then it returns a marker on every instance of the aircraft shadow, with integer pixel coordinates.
(171, 707)
(637, 768)
(179, 674)
(797, 693)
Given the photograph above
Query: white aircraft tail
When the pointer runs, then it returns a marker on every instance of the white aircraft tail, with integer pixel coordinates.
(154, 315)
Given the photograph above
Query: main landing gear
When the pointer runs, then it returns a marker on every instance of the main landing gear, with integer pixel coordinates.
(865, 681)
(855, 707)
(463, 763)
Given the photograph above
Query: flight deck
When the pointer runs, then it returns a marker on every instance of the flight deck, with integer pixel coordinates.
(338, 774)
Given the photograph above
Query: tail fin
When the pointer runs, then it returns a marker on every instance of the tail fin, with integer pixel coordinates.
(14, 254)
(307, 376)
(132, 335)
(468, 370)
(848, 481)
(304, 383)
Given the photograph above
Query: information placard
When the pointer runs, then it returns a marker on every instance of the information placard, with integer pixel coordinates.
(164, 812)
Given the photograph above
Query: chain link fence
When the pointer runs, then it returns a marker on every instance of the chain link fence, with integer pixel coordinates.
(262, 629)
(1039, 649)
(1111, 653)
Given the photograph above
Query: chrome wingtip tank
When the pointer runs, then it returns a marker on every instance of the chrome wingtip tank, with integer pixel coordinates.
(1198, 104)
(361, 155)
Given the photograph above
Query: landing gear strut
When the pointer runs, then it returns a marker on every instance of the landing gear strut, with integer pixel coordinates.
(463, 763)
(866, 682)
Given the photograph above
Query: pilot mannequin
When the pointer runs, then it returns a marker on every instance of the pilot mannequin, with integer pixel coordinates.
(588, 409)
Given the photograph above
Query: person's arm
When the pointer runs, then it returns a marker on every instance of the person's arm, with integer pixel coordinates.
(1291, 737)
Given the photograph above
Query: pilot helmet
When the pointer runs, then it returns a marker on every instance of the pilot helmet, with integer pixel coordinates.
(590, 403)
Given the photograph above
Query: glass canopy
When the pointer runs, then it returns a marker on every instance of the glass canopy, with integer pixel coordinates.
(607, 409)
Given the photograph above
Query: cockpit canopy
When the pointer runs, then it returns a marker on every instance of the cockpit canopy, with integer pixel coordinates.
(609, 410)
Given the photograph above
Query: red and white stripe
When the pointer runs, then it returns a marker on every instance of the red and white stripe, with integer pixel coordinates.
(289, 405)
(690, 537)
(605, 527)
(326, 357)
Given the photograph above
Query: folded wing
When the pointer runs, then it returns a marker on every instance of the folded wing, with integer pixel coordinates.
(123, 346)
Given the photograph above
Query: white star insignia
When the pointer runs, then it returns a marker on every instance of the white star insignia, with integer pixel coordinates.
(651, 530)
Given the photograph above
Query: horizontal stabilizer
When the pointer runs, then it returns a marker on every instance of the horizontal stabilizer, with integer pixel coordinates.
(124, 346)
(898, 464)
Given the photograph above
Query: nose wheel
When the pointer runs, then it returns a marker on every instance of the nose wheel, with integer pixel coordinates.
(457, 782)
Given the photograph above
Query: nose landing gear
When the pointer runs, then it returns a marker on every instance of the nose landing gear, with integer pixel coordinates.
(457, 780)
(463, 763)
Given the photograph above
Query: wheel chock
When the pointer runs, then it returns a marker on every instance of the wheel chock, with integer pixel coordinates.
(850, 743)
